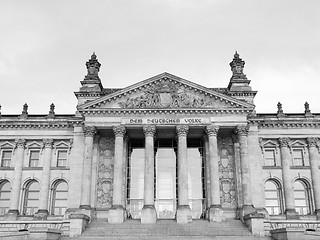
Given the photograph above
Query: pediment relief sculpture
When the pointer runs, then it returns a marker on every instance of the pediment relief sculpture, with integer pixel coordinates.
(165, 94)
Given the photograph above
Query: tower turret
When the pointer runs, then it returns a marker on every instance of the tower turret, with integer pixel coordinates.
(239, 84)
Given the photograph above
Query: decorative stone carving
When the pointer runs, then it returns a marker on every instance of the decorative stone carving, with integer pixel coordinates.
(312, 141)
(182, 130)
(89, 131)
(149, 130)
(20, 143)
(164, 94)
(105, 172)
(119, 131)
(242, 130)
(47, 143)
(212, 130)
(227, 172)
(284, 142)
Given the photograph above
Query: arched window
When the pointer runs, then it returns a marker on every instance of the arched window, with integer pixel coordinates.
(272, 197)
(31, 198)
(59, 198)
(5, 191)
(301, 197)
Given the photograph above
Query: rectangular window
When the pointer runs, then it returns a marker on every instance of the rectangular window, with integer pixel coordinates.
(62, 158)
(34, 158)
(298, 157)
(6, 158)
(270, 157)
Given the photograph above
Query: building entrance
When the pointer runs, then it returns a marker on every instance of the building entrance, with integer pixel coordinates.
(165, 178)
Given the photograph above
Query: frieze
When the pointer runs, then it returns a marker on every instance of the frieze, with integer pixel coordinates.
(165, 94)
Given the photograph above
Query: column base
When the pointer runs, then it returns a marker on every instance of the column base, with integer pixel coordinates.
(12, 214)
(116, 214)
(291, 214)
(245, 210)
(184, 214)
(216, 213)
(317, 213)
(148, 214)
(42, 214)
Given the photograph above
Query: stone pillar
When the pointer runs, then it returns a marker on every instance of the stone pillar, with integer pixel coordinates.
(184, 214)
(117, 211)
(315, 172)
(215, 210)
(89, 133)
(247, 208)
(148, 214)
(17, 175)
(45, 180)
(290, 211)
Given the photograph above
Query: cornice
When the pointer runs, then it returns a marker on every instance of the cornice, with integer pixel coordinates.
(38, 124)
(165, 111)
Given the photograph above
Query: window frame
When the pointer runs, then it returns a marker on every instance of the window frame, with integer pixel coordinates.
(5, 209)
(2, 157)
(303, 157)
(279, 197)
(269, 149)
(66, 150)
(54, 199)
(38, 160)
(307, 193)
(26, 198)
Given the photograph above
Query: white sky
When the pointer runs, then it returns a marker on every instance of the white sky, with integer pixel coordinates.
(44, 46)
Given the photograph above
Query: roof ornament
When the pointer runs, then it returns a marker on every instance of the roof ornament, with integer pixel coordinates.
(0, 110)
(280, 110)
(51, 111)
(307, 111)
(24, 113)
(237, 66)
(93, 68)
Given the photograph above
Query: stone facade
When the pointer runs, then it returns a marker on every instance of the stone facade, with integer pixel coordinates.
(229, 161)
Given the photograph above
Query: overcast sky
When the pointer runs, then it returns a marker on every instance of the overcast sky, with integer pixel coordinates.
(44, 46)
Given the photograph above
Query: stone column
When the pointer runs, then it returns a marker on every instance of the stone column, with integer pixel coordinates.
(89, 133)
(45, 180)
(287, 184)
(117, 211)
(315, 172)
(215, 210)
(184, 214)
(148, 214)
(17, 175)
(247, 208)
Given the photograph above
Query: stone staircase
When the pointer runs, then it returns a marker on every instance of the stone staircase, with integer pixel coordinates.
(167, 230)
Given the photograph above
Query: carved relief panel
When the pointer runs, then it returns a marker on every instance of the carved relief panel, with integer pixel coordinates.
(227, 172)
(105, 172)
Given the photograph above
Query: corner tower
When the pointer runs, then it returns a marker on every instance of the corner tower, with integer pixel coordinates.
(239, 84)
(91, 85)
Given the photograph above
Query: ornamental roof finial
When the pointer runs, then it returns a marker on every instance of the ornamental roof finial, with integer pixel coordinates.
(51, 111)
(24, 113)
(280, 110)
(93, 68)
(307, 111)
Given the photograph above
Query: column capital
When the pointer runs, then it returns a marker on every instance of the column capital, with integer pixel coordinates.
(182, 130)
(149, 130)
(242, 130)
(212, 130)
(119, 131)
(312, 141)
(20, 143)
(47, 143)
(89, 131)
(284, 141)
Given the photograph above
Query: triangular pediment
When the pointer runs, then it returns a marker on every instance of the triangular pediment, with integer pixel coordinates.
(166, 91)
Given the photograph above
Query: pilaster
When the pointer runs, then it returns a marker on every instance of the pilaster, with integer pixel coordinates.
(16, 185)
(290, 211)
(45, 180)
(315, 173)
